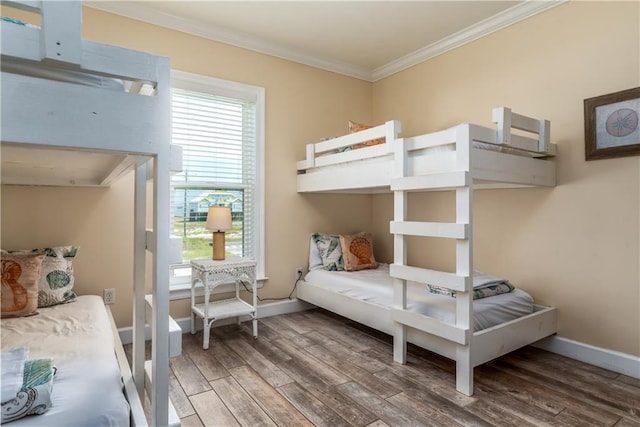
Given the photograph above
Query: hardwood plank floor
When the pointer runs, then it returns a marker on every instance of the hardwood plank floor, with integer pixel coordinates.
(316, 368)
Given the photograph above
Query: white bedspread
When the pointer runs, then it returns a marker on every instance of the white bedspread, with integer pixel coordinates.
(87, 389)
(376, 287)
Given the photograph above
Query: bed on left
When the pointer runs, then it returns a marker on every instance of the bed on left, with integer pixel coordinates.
(80, 113)
(82, 385)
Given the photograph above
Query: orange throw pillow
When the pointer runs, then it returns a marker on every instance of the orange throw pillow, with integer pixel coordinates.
(357, 127)
(19, 291)
(357, 251)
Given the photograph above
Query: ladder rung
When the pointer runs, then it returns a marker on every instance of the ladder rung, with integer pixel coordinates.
(430, 229)
(441, 180)
(433, 277)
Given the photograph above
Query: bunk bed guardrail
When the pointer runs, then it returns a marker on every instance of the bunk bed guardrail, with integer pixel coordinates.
(534, 141)
(337, 150)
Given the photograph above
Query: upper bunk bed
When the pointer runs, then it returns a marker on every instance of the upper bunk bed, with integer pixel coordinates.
(77, 112)
(499, 158)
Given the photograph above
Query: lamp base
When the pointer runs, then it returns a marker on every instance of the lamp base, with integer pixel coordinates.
(218, 245)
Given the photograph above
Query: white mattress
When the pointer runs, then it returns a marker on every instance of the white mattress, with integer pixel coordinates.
(376, 287)
(87, 389)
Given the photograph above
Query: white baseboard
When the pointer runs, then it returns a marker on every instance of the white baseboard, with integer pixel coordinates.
(616, 361)
(264, 310)
(283, 307)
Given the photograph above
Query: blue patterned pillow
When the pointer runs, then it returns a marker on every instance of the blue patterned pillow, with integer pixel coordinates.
(330, 251)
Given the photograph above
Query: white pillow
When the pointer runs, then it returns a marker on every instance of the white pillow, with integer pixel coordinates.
(315, 261)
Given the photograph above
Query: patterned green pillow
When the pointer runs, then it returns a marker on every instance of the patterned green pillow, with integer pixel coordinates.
(330, 251)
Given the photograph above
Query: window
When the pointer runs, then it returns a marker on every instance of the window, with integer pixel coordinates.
(220, 126)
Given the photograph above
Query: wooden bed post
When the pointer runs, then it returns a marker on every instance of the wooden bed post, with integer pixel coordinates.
(544, 136)
(139, 274)
(400, 252)
(60, 38)
(464, 262)
(392, 131)
(501, 116)
(160, 282)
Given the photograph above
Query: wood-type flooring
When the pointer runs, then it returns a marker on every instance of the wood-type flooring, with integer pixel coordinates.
(316, 368)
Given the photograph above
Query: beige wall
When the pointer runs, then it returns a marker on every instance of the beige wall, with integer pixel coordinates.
(303, 104)
(91, 218)
(576, 246)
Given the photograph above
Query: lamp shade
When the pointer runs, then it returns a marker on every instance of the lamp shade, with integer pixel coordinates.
(219, 218)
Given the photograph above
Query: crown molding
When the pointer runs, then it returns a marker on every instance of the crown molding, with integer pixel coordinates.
(140, 12)
(490, 25)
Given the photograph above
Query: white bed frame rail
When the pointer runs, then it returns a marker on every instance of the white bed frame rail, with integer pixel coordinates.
(518, 159)
(327, 153)
(357, 176)
(470, 349)
(55, 114)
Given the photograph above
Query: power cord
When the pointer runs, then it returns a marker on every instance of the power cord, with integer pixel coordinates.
(295, 284)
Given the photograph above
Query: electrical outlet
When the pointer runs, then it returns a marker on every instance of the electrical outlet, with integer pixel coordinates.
(109, 296)
(298, 273)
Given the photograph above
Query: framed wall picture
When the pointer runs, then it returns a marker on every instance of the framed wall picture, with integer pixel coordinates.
(611, 125)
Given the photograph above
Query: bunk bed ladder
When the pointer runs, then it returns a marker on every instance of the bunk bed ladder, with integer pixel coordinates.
(460, 281)
(152, 376)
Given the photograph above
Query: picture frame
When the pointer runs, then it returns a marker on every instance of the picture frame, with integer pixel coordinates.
(612, 125)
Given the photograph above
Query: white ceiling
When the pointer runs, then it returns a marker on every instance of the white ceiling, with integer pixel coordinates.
(364, 39)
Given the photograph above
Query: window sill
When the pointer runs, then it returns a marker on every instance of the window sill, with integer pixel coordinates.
(183, 290)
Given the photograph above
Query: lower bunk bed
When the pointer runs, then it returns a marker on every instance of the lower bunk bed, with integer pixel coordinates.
(87, 387)
(501, 323)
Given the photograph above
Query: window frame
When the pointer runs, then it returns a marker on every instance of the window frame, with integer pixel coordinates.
(211, 85)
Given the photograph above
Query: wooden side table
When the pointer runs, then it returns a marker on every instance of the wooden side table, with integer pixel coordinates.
(212, 274)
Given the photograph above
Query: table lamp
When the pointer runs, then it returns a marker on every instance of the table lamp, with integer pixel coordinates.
(218, 221)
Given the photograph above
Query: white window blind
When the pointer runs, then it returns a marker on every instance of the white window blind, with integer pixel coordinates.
(220, 133)
(218, 138)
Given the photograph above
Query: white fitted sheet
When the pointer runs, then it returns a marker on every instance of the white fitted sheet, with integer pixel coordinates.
(375, 286)
(87, 388)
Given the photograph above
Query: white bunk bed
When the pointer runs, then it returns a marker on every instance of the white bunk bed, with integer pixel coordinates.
(462, 158)
(76, 112)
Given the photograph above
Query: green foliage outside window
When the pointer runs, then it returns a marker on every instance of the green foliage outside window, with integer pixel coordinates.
(196, 239)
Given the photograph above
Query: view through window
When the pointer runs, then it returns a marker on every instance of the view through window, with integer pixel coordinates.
(219, 137)
(190, 215)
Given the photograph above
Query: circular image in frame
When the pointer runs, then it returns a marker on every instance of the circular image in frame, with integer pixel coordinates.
(622, 122)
